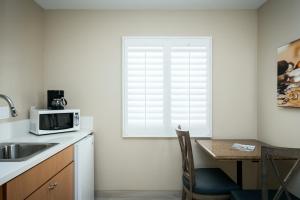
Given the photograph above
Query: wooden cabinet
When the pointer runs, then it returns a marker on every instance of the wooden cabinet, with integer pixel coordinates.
(63, 185)
(34, 183)
(60, 187)
(1, 193)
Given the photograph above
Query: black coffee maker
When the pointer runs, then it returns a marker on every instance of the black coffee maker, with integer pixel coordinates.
(56, 100)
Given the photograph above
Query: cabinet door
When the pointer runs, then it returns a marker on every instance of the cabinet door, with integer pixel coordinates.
(1, 192)
(42, 193)
(60, 187)
(25, 184)
(84, 169)
(63, 184)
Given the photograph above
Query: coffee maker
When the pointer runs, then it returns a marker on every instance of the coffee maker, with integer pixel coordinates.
(56, 100)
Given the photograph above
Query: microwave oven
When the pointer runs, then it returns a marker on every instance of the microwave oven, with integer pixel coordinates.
(44, 122)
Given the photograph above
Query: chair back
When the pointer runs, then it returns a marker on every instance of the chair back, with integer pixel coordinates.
(268, 155)
(187, 156)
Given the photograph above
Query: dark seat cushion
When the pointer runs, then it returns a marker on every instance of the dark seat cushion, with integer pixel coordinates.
(211, 181)
(256, 195)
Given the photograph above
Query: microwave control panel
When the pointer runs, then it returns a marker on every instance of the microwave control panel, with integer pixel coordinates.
(76, 119)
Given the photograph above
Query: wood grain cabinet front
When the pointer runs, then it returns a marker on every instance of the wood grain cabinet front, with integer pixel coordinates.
(37, 177)
(60, 187)
(1, 193)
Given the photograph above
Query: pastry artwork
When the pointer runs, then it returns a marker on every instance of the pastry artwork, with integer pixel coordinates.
(288, 75)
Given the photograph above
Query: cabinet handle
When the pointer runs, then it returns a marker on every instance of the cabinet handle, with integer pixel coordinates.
(52, 186)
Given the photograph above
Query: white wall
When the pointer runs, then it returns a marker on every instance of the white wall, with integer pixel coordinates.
(21, 54)
(278, 25)
(83, 57)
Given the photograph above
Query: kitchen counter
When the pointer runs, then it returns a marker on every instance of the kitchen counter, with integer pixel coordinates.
(10, 170)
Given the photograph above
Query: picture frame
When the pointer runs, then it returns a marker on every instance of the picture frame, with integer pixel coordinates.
(288, 75)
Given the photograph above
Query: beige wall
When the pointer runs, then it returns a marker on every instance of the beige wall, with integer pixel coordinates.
(278, 25)
(21, 53)
(86, 45)
(83, 57)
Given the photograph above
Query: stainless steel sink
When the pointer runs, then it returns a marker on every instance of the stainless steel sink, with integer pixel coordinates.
(15, 152)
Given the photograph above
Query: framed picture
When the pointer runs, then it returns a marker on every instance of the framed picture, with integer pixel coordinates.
(288, 75)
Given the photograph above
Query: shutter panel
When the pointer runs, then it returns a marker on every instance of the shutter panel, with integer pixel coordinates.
(144, 88)
(189, 88)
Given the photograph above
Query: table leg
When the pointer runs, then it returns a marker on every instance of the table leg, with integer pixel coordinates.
(239, 173)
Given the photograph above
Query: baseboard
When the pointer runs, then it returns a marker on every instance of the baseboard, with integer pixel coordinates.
(138, 194)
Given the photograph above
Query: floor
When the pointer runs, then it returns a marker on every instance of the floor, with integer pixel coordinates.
(140, 198)
(139, 195)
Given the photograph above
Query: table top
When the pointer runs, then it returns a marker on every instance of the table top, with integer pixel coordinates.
(220, 149)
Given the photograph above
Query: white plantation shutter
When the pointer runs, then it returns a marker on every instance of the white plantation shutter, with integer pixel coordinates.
(144, 88)
(190, 88)
(166, 82)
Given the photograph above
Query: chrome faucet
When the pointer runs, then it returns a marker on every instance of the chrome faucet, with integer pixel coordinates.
(13, 110)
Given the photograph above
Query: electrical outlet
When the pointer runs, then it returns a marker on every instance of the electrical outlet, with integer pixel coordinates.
(4, 112)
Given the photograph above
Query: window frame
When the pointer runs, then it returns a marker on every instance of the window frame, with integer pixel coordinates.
(209, 93)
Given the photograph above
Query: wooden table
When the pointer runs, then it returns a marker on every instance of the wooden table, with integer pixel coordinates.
(221, 150)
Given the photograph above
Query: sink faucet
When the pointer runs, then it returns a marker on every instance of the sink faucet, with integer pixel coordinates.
(13, 110)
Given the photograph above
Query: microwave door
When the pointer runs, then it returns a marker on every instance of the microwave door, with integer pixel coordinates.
(57, 121)
(46, 122)
(52, 122)
(64, 121)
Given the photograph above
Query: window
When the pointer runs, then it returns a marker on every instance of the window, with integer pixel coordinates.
(166, 82)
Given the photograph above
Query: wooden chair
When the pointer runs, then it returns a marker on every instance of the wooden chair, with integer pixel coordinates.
(268, 155)
(201, 183)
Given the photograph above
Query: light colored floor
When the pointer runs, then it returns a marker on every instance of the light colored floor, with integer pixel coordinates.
(139, 195)
(139, 198)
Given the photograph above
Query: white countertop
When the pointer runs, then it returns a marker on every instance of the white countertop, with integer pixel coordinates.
(10, 170)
